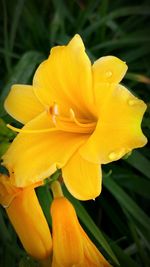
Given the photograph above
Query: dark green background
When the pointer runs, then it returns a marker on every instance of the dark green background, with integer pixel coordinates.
(118, 220)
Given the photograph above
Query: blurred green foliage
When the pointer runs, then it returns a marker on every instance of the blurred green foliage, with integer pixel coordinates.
(118, 221)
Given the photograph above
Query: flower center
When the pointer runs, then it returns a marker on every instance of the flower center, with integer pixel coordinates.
(70, 123)
(63, 123)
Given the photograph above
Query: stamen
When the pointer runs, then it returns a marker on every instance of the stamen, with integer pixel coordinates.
(55, 109)
(91, 124)
(61, 123)
(30, 131)
(56, 189)
(54, 119)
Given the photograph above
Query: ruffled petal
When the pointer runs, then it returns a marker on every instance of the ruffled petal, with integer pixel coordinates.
(82, 178)
(118, 130)
(67, 240)
(66, 78)
(107, 72)
(7, 191)
(92, 255)
(22, 104)
(108, 69)
(34, 156)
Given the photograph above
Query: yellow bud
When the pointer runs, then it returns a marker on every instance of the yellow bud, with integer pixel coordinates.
(27, 217)
(71, 245)
(67, 241)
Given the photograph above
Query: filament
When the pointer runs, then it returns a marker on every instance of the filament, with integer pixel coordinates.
(30, 131)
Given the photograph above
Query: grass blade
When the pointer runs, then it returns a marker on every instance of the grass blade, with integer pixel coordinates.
(139, 162)
(127, 202)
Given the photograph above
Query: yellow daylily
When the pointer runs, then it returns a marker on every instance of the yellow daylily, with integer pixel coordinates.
(71, 245)
(77, 116)
(25, 213)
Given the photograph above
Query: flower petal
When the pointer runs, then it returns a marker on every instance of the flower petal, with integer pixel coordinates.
(93, 256)
(66, 78)
(22, 104)
(67, 240)
(118, 130)
(34, 156)
(7, 191)
(108, 69)
(107, 72)
(82, 178)
(55, 263)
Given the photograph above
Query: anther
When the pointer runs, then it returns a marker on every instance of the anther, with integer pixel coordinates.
(55, 109)
(72, 114)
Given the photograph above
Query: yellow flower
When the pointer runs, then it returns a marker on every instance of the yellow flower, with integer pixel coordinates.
(27, 218)
(77, 116)
(71, 245)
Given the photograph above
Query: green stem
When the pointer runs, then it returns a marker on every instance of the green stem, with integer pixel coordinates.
(56, 189)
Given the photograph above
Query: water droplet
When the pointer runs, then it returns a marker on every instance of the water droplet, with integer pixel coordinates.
(108, 74)
(132, 102)
(113, 156)
(117, 154)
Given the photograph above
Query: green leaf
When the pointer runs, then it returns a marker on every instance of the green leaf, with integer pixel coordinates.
(4, 233)
(114, 218)
(122, 42)
(117, 13)
(15, 23)
(27, 261)
(139, 162)
(4, 130)
(45, 200)
(3, 148)
(127, 202)
(124, 259)
(135, 54)
(134, 183)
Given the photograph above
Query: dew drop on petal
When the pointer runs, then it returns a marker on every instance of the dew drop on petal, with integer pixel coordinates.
(132, 102)
(108, 74)
(113, 156)
(118, 154)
